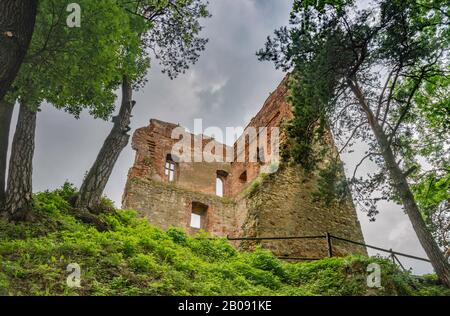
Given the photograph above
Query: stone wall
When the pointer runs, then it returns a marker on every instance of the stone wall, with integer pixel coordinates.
(275, 112)
(283, 205)
(154, 143)
(280, 204)
(166, 205)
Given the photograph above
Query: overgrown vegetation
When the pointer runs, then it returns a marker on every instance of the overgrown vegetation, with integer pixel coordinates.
(135, 258)
(376, 76)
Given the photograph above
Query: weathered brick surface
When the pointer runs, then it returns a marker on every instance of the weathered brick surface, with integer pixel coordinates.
(282, 205)
(153, 143)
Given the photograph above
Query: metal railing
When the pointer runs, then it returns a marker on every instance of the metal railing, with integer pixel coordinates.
(329, 238)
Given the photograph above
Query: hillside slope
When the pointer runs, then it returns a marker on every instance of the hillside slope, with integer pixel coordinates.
(134, 258)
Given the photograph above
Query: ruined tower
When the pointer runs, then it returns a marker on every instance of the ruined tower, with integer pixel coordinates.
(234, 198)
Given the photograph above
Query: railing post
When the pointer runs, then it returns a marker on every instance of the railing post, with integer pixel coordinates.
(329, 246)
(399, 262)
(392, 255)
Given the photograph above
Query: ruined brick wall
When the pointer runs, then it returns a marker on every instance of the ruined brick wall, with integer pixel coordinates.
(152, 145)
(167, 205)
(281, 205)
(275, 112)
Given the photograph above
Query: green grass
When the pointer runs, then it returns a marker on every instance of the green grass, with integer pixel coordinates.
(135, 258)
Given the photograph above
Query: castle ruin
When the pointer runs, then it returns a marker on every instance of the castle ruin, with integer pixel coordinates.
(234, 198)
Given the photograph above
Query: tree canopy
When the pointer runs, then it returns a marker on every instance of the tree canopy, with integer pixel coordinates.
(326, 46)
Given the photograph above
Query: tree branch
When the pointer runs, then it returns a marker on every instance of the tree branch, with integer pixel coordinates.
(391, 92)
(351, 136)
(380, 100)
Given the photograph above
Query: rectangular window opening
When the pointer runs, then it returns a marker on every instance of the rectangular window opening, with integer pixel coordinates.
(169, 170)
(196, 221)
(198, 218)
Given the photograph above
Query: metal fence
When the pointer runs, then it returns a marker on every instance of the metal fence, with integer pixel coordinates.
(329, 241)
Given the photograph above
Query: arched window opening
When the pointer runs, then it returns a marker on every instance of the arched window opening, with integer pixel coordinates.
(170, 168)
(221, 178)
(219, 187)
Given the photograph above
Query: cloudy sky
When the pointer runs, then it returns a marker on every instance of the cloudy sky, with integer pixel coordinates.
(225, 88)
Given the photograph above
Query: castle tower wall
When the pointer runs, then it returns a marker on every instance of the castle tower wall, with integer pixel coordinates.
(184, 194)
(283, 205)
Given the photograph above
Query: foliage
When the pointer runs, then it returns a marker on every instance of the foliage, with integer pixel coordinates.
(256, 184)
(426, 141)
(174, 38)
(135, 258)
(396, 53)
(81, 67)
(433, 195)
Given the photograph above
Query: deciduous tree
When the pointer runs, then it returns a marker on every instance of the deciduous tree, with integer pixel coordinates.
(359, 72)
(72, 69)
(17, 19)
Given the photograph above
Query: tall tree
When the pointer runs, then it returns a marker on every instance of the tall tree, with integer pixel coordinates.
(428, 150)
(72, 69)
(358, 72)
(173, 38)
(19, 193)
(93, 185)
(6, 111)
(17, 18)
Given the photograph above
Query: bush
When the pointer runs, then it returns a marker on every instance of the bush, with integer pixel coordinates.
(264, 260)
(135, 258)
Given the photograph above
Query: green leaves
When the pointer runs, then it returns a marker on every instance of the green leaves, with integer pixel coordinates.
(433, 102)
(77, 68)
(81, 68)
(320, 5)
(397, 54)
(432, 193)
(433, 190)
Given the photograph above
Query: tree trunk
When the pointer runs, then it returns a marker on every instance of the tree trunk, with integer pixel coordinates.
(400, 183)
(19, 190)
(94, 184)
(6, 111)
(17, 18)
